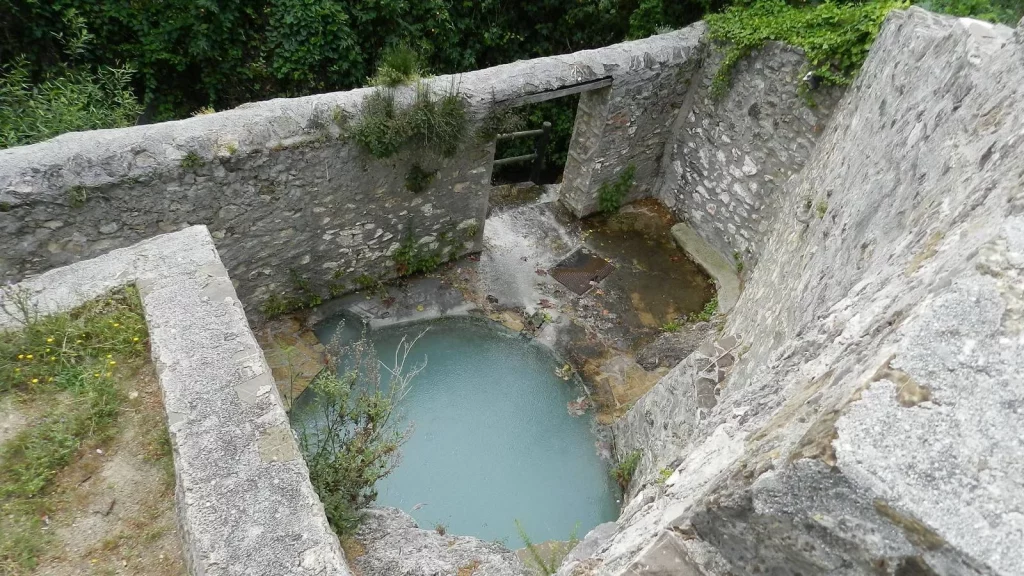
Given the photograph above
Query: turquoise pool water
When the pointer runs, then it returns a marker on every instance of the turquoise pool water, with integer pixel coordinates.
(493, 441)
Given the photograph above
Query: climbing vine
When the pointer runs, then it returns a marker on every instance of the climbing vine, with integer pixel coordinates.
(835, 37)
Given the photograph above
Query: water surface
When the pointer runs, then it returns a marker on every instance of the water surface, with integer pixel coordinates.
(493, 440)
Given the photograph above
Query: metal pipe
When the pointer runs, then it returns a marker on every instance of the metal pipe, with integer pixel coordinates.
(523, 134)
(515, 159)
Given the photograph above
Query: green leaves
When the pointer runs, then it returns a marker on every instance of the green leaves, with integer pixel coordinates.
(835, 37)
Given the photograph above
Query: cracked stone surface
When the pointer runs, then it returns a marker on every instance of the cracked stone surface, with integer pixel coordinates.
(871, 421)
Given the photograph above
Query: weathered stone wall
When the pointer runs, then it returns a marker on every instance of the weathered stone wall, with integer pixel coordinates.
(291, 203)
(629, 123)
(730, 157)
(243, 498)
(871, 422)
(283, 196)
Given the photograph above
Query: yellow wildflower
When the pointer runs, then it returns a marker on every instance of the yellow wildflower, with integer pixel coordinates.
(21, 356)
(49, 339)
(112, 362)
(35, 380)
(28, 356)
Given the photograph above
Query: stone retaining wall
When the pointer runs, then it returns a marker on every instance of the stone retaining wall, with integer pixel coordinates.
(730, 157)
(296, 209)
(870, 423)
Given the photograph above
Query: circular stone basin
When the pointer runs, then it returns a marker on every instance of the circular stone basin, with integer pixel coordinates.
(492, 441)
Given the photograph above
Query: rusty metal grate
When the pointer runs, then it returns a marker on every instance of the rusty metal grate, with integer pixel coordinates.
(580, 270)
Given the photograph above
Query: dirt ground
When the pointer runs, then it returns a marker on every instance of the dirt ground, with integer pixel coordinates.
(114, 509)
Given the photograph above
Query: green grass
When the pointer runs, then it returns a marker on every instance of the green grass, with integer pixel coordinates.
(66, 365)
(433, 122)
(399, 64)
(707, 312)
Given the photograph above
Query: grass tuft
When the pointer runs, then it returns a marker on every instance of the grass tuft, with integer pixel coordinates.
(399, 64)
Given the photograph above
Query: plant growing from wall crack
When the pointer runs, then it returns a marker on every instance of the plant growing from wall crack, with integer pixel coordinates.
(623, 471)
(610, 194)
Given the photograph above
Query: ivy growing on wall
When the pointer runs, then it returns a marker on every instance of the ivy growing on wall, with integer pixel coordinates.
(835, 37)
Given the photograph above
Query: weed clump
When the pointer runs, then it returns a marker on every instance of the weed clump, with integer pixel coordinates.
(707, 312)
(623, 471)
(431, 122)
(191, 160)
(611, 194)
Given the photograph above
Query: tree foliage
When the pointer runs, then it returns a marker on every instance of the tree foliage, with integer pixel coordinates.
(179, 56)
(66, 97)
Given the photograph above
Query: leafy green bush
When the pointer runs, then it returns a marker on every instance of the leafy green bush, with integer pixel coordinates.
(67, 98)
(610, 194)
(835, 37)
(357, 442)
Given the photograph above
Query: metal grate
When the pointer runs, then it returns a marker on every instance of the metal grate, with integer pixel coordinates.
(580, 270)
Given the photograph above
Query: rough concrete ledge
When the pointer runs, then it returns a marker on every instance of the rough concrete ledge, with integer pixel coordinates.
(244, 501)
(721, 270)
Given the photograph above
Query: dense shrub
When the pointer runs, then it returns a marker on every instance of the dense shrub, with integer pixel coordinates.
(68, 97)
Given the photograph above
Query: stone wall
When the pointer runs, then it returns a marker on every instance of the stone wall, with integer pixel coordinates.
(871, 421)
(730, 157)
(629, 123)
(243, 498)
(295, 208)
